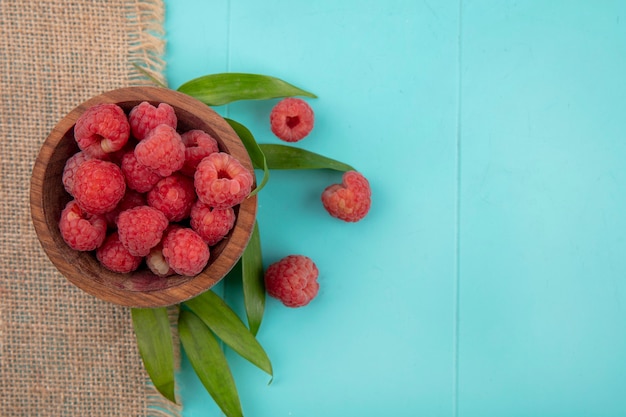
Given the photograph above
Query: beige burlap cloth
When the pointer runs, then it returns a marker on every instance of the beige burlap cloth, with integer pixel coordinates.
(62, 352)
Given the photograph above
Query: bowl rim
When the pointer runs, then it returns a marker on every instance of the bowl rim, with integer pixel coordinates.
(181, 291)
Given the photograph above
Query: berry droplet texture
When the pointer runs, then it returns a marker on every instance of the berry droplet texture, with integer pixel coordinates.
(98, 186)
(144, 117)
(81, 231)
(292, 280)
(291, 119)
(221, 181)
(185, 251)
(115, 257)
(211, 224)
(138, 177)
(349, 201)
(173, 196)
(162, 151)
(69, 171)
(140, 229)
(130, 200)
(101, 130)
(198, 145)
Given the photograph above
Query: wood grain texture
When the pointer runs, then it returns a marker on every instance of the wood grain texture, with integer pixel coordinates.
(141, 288)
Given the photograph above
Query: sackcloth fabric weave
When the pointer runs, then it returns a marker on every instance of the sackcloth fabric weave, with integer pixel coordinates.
(63, 352)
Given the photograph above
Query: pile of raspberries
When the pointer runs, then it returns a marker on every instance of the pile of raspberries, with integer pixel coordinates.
(143, 191)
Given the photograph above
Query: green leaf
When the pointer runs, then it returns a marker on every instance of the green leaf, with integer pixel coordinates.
(154, 340)
(226, 325)
(289, 157)
(148, 75)
(256, 154)
(224, 88)
(253, 284)
(209, 362)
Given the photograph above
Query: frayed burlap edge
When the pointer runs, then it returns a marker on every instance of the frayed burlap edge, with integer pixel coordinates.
(146, 44)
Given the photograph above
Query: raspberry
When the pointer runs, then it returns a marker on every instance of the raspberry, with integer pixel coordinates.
(116, 157)
(157, 263)
(198, 144)
(349, 201)
(173, 196)
(69, 172)
(130, 200)
(144, 117)
(291, 119)
(102, 129)
(221, 181)
(162, 151)
(293, 280)
(185, 251)
(115, 257)
(81, 231)
(141, 229)
(138, 177)
(98, 186)
(211, 224)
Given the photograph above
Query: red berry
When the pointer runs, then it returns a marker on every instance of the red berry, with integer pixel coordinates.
(162, 151)
(173, 196)
(185, 251)
(102, 129)
(211, 224)
(144, 117)
(140, 229)
(69, 171)
(115, 257)
(116, 157)
(157, 263)
(98, 186)
(138, 177)
(291, 119)
(221, 181)
(81, 231)
(349, 201)
(198, 144)
(130, 200)
(292, 280)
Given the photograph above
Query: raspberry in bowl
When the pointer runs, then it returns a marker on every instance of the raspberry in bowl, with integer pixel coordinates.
(115, 190)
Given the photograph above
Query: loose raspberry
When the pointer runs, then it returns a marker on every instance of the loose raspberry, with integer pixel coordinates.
(173, 196)
(162, 151)
(291, 119)
(81, 231)
(102, 129)
(69, 171)
(138, 177)
(115, 257)
(185, 252)
(141, 229)
(157, 263)
(144, 117)
(349, 201)
(98, 186)
(130, 200)
(198, 144)
(221, 181)
(293, 280)
(211, 224)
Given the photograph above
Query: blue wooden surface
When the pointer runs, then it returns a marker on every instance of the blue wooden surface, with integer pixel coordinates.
(488, 278)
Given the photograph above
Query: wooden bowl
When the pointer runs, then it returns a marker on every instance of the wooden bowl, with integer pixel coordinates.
(141, 288)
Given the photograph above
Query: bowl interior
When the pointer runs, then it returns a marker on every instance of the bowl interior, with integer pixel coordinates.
(141, 288)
